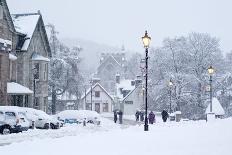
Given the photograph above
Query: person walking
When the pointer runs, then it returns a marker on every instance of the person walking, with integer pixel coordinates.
(137, 116)
(151, 117)
(141, 116)
(120, 116)
(84, 122)
(164, 115)
(115, 116)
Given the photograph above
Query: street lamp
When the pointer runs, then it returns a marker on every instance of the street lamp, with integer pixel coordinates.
(146, 42)
(211, 71)
(91, 93)
(34, 71)
(170, 84)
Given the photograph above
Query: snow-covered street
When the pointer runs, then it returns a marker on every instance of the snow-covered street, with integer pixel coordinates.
(192, 138)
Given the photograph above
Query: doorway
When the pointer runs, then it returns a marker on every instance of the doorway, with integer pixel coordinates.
(97, 107)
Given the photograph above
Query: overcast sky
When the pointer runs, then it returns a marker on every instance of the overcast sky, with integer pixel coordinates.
(117, 22)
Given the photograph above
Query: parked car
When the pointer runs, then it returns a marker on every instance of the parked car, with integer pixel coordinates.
(41, 120)
(12, 120)
(78, 116)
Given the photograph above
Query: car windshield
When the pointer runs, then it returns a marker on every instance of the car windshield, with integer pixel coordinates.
(10, 115)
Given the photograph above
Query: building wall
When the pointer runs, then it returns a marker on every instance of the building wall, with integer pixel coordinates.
(133, 102)
(104, 98)
(108, 70)
(26, 65)
(6, 33)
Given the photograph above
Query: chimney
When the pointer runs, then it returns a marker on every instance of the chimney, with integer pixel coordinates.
(117, 78)
(96, 80)
(138, 81)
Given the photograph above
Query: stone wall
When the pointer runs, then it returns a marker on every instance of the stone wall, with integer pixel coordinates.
(25, 67)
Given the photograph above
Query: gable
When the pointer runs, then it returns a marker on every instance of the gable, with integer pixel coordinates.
(39, 42)
(33, 37)
(6, 15)
(96, 87)
(109, 61)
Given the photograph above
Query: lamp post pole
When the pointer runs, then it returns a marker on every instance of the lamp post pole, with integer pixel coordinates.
(146, 76)
(170, 95)
(211, 71)
(211, 93)
(170, 106)
(91, 93)
(146, 42)
(34, 71)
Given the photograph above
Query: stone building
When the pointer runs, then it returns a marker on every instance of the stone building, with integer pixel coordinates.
(7, 49)
(111, 64)
(33, 52)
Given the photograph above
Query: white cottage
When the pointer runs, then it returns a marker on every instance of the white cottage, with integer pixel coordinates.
(129, 95)
(102, 101)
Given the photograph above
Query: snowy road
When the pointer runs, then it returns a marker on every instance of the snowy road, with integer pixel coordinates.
(184, 138)
(71, 130)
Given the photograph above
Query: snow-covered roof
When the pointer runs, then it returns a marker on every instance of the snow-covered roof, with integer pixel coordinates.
(15, 88)
(216, 107)
(37, 57)
(124, 85)
(12, 57)
(66, 96)
(26, 24)
(5, 42)
(96, 84)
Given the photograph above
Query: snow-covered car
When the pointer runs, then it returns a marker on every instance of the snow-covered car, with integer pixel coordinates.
(12, 120)
(78, 116)
(41, 119)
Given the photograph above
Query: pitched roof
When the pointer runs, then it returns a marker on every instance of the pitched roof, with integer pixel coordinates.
(97, 84)
(8, 16)
(124, 85)
(129, 93)
(26, 24)
(108, 59)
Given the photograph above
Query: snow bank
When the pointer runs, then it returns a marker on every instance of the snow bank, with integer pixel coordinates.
(78, 114)
(189, 138)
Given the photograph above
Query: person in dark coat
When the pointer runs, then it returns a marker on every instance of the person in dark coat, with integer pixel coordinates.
(137, 116)
(120, 116)
(151, 117)
(141, 116)
(115, 116)
(164, 115)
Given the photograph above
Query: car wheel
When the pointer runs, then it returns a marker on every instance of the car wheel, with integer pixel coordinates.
(5, 130)
(46, 126)
(52, 126)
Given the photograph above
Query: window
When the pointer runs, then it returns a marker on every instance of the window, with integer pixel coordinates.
(36, 74)
(128, 102)
(10, 115)
(1, 11)
(45, 71)
(105, 107)
(36, 102)
(45, 103)
(97, 93)
(11, 70)
(88, 106)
